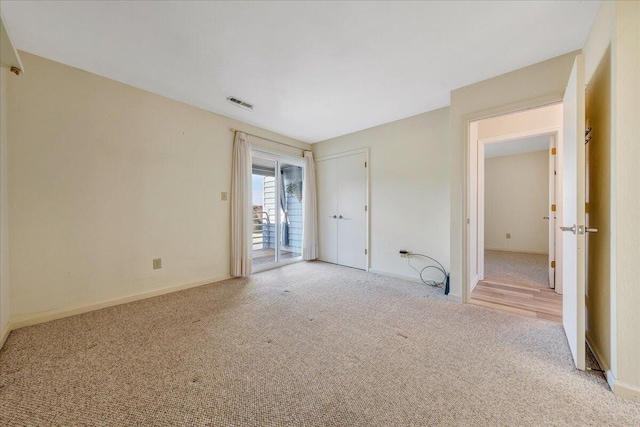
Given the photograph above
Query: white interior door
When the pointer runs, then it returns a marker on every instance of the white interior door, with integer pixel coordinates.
(327, 193)
(552, 213)
(352, 216)
(573, 213)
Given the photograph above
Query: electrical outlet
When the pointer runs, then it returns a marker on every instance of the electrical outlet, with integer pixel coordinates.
(403, 253)
(223, 196)
(508, 235)
(157, 263)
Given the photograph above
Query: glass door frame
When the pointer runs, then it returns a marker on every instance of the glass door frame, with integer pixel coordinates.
(279, 158)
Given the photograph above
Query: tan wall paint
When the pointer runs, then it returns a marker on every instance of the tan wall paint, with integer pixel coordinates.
(409, 188)
(599, 115)
(536, 85)
(4, 211)
(103, 178)
(627, 107)
(516, 198)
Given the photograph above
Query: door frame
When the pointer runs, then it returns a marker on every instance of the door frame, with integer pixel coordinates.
(364, 150)
(554, 132)
(278, 158)
(542, 101)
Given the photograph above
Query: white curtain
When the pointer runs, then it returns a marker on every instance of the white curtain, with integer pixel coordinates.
(310, 220)
(241, 207)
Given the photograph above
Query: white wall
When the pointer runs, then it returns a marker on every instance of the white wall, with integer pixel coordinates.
(409, 188)
(103, 178)
(536, 85)
(4, 211)
(516, 200)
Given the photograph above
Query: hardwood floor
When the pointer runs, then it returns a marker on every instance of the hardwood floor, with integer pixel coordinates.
(542, 303)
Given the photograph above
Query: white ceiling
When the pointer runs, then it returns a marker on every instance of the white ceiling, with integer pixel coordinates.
(313, 70)
(517, 146)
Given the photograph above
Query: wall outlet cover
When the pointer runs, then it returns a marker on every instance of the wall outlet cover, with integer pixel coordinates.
(508, 235)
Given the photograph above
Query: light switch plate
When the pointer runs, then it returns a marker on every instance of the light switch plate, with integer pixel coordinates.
(508, 235)
(157, 263)
(223, 196)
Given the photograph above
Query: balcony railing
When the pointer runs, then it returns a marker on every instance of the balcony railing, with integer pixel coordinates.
(261, 233)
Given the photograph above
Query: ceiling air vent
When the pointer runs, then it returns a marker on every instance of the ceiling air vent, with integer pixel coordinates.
(240, 103)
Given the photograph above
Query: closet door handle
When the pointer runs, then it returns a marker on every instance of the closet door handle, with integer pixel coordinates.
(341, 217)
(332, 216)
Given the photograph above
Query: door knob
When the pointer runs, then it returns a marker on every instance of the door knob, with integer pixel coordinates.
(545, 217)
(340, 217)
(332, 216)
(571, 229)
(591, 230)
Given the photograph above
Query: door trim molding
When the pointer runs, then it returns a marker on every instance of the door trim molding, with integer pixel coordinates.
(344, 153)
(542, 101)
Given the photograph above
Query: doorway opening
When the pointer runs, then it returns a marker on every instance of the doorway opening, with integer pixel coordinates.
(277, 184)
(515, 256)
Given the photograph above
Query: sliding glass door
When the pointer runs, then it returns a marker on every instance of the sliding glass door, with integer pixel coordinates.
(277, 184)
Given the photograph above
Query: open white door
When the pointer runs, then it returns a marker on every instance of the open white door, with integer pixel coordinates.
(552, 212)
(573, 213)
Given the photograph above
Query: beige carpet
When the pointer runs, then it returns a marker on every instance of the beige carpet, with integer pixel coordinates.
(309, 344)
(517, 268)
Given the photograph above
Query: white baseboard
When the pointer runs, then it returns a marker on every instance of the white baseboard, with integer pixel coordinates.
(619, 388)
(525, 251)
(5, 335)
(601, 360)
(627, 391)
(450, 297)
(454, 298)
(474, 282)
(396, 276)
(59, 314)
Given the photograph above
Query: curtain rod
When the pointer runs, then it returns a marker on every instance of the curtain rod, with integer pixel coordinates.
(267, 139)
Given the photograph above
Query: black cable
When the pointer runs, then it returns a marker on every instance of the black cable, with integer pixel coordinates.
(439, 267)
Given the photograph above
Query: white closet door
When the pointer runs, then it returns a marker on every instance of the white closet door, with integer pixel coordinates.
(327, 193)
(352, 192)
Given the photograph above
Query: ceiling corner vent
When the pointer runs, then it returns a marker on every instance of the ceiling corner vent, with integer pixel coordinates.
(240, 103)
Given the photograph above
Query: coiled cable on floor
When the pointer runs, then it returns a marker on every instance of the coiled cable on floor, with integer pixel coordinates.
(445, 281)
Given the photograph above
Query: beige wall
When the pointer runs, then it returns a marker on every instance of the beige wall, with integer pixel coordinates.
(4, 211)
(599, 114)
(627, 149)
(103, 178)
(536, 85)
(516, 196)
(409, 188)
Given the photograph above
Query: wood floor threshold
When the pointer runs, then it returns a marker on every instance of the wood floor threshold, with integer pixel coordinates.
(514, 285)
(537, 308)
(540, 297)
(541, 303)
